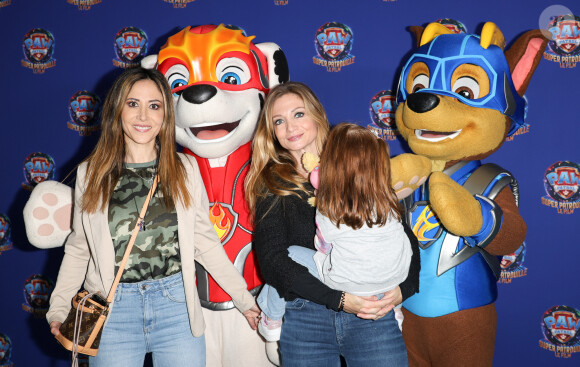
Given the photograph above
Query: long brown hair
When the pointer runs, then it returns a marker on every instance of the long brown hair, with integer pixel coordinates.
(105, 163)
(273, 168)
(355, 181)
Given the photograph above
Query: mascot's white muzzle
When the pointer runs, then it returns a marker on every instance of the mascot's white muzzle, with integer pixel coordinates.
(212, 122)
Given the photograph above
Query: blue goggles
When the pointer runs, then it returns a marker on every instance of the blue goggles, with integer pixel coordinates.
(440, 56)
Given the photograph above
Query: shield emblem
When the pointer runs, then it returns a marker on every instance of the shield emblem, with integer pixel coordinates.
(40, 172)
(3, 229)
(38, 51)
(387, 113)
(5, 348)
(336, 40)
(424, 223)
(566, 188)
(130, 44)
(224, 220)
(85, 111)
(567, 41)
(37, 289)
(131, 47)
(507, 261)
(563, 330)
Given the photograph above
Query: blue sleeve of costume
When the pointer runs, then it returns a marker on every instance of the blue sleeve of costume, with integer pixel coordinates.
(487, 207)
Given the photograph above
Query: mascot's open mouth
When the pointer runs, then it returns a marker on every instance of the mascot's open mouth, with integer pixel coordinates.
(213, 131)
(435, 136)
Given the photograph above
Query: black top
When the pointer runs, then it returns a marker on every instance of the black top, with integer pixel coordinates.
(283, 221)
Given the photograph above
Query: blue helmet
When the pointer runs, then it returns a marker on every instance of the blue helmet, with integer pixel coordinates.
(446, 52)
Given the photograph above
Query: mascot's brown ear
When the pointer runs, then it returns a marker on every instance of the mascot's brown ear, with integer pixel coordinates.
(417, 30)
(524, 56)
(278, 71)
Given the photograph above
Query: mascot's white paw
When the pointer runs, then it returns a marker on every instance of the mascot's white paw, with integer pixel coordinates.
(272, 352)
(48, 213)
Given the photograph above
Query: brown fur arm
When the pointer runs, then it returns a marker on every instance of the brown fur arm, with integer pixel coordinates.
(513, 229)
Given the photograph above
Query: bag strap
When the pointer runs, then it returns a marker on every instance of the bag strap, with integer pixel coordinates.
(132, 240)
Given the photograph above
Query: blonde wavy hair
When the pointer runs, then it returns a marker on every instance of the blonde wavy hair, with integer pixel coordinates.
(274, 170)
(105, 163)
(355, 181)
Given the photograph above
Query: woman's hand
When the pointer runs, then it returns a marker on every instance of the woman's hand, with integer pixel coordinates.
(253, 316)
(394, 296)
(371, 307)
(55, 327)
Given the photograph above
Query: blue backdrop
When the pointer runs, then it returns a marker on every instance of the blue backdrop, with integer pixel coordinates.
(35, 118)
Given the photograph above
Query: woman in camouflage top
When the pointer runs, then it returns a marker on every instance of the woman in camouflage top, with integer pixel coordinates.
(156, 307)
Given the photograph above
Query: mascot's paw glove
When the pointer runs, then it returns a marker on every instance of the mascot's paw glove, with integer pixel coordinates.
(408, 172)
(454, 206)
(48, 214)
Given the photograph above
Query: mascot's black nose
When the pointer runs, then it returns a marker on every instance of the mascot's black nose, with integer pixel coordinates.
(199, 93)
(422, 102)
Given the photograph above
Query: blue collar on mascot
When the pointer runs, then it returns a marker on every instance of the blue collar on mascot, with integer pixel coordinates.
(446, 52)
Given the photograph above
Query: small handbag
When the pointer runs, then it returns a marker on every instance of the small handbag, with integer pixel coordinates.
(81, 330)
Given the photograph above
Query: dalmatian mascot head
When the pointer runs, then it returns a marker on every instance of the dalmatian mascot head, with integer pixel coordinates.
(219, 80)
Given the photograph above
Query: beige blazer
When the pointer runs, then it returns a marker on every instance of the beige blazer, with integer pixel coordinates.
(89, 254)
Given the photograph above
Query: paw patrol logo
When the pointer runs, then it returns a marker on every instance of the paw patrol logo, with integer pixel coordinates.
(5, 351)
(4, 3)
(130, 47)
(562, 183)
(224, 220)
(560, 328)
(565, 31)
(333, 43)
(453, 25)
(38, 167)
(511, 265)
(84, 108)
(84, 4)
(5, 233)
(564, 47)
(179, 3)
(382, 111)
(37, 290)
(38, 47)
(333, 40)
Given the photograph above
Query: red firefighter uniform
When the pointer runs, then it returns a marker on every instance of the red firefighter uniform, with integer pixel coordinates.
(229, 213)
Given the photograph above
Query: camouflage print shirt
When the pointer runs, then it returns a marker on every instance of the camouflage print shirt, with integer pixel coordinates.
(155, 253)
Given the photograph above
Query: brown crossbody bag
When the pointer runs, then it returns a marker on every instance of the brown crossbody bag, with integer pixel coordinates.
(81, 331)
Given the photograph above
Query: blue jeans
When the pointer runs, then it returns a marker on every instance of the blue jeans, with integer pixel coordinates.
(269, 300)
(313, 335)
(150, 316)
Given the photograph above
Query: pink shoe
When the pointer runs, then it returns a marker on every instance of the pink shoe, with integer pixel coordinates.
(269, 329)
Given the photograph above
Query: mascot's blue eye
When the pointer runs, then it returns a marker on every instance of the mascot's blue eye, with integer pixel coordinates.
(176, 84)
(230, 78)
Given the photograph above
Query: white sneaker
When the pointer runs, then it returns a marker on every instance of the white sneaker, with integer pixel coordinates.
(270, 329)
(272, 352)
(399, 316)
